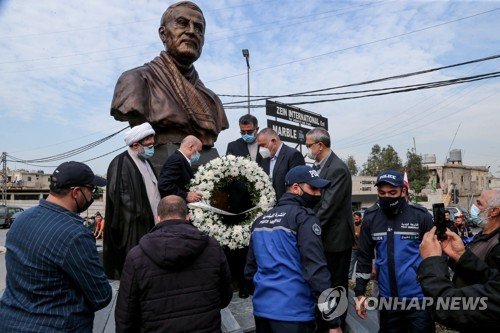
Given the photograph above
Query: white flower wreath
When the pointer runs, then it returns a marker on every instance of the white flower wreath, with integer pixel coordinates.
(212, 176)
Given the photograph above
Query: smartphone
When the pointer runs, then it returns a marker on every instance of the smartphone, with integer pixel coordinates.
(439, 221)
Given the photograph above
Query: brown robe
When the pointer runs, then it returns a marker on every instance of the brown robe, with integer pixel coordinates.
(175, 104)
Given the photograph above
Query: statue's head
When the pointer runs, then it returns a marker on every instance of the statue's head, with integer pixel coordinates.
(182, 31)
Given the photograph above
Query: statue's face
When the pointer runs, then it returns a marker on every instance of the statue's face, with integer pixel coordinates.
(184, 34)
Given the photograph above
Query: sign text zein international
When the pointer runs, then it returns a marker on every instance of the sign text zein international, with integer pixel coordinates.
(297, 115)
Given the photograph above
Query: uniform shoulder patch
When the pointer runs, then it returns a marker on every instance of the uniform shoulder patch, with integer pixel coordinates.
(316, 229)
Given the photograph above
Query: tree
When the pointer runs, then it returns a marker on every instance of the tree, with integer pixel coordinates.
(381, 159)
(418, 175)
(351, 165)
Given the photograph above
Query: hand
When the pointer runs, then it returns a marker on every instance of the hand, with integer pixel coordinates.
(430, 245)
(374, 273)
(453, 245)
(193, 196)
(361, 307)
(335, 330)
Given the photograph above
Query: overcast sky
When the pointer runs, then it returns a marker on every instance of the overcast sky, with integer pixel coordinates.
(59, 62)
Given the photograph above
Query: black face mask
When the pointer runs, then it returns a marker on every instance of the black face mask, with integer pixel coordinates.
(86, 205)
(357, 223)
(390, 206)
(310, 201)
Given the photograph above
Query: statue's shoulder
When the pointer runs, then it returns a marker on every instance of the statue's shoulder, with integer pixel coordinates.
(134, 74)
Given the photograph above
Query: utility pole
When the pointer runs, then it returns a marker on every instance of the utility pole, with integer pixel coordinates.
(4, 178)
(246, 54)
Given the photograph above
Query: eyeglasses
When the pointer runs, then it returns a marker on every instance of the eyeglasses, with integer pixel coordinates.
(247, 132)
(312, 144)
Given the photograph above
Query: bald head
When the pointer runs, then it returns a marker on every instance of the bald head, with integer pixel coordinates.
(190, 145)
(268, 138)
(172, 207)
(268, 133)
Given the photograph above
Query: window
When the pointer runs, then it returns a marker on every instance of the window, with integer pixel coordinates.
(29, 179)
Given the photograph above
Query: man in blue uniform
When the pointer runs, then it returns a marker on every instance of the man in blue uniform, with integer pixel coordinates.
(394, 229)
(286, 259)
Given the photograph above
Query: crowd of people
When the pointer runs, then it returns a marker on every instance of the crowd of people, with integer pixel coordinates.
(175, 278)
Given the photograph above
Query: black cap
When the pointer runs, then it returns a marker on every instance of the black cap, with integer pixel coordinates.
(71, 174)
(305, 174)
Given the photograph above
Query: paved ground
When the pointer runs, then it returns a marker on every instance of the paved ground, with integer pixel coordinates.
(3, 233)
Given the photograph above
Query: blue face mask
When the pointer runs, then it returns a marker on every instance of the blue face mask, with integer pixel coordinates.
(195, 157)
(148, 152)
(248, 138)
(475, 212)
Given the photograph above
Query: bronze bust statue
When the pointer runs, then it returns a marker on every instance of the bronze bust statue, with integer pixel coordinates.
(167, 91)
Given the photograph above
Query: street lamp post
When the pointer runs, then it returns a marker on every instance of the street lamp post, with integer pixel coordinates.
(246, 54)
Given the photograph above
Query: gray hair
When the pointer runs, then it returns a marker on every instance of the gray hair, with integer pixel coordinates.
(269, 132)
(319, 134)
(166, 15)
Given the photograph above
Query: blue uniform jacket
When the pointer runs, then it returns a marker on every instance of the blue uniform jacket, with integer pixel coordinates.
(396, 240)
(286, 261)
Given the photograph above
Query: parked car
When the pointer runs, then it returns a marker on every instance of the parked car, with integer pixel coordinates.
(455, 210)
(15, 216)
(6, 213)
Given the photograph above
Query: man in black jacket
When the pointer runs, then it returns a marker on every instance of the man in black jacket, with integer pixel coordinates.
(335, 209)
(176, 173)
(239, 195)
(246, 145)
(278, 159)
(176, 280)
(483, 284)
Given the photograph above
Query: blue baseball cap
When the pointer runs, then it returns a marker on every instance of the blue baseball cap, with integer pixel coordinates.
(305, 174)
(391, 177)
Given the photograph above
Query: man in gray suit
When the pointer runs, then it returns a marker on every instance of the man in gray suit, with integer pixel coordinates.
(335, 209)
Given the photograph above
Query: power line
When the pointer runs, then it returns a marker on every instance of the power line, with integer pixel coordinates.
(359, 45)
(388, 78)
(67, 154)
(101, 27)
(431, 85)
(207, 35)
(64, 142)
(420, 126)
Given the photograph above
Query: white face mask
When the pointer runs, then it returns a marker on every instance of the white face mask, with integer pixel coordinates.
(264, 152)
(475, 212)
(311, 155)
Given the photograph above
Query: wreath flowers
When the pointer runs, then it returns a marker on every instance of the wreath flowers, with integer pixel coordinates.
(213, 180)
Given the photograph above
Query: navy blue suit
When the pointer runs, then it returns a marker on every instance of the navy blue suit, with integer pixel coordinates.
(175, 176)
(287, 159)
(240, 148)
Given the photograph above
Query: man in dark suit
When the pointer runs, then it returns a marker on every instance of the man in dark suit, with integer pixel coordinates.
(335, 209)
(176, 173)
(247, 144)
(239, 196)
(278, 158)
